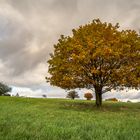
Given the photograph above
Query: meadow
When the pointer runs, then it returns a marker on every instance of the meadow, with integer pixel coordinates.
(61, 119)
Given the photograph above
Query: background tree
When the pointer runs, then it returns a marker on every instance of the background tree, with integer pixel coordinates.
(44, 96)
(4, 89)
(17, 95)
(6, 94)
(88, 96)
(72, 94)
(98, 56)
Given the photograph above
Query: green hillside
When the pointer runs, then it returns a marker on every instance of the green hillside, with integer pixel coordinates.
(60, 119)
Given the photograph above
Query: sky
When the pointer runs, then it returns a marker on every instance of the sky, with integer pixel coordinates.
(30, 28)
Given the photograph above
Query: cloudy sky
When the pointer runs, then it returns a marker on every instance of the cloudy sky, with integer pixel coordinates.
(29, 28)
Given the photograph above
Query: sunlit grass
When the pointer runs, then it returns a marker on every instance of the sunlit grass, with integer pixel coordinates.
(60, 119)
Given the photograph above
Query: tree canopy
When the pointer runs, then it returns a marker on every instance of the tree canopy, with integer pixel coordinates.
(97, 56)
(4, 89)
(72, 94)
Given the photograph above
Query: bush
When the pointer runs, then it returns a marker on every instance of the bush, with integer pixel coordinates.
(112, 99)
(89, 96)
(44, 96)
(72, 94)
(4, 89)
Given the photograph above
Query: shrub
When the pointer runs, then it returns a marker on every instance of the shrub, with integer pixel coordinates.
(72, 94)
(112, 99)
(89, 96)
(44, 96)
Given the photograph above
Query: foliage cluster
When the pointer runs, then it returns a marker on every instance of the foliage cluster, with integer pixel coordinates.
(97, 56)
(88, 96)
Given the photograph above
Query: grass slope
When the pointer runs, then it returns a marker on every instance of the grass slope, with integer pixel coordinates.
(59, 119)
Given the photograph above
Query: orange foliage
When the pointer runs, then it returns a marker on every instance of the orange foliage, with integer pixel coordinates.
(89, 96)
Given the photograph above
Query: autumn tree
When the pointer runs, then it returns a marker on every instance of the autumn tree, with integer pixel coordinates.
(97, 56)
(72, 94)
(4, 89)
(88, 96)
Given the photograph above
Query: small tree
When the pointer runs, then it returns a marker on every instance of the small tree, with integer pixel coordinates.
(112, 99)
(72, 94)
(44, 96)
(89, 96)
(4, 89)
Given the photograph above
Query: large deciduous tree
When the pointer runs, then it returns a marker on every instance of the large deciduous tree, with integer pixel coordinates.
(98, 56)
(88, 96)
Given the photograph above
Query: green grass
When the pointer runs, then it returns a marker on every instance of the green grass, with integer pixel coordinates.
(60, 119)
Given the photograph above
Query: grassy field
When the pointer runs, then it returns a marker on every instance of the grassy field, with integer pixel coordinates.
(60, 119)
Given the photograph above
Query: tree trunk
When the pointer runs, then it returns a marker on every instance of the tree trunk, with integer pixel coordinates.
(98, 93)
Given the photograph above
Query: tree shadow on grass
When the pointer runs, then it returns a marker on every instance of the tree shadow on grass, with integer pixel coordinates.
(106, 107)
(78, 106)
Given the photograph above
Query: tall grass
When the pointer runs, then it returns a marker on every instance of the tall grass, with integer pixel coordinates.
(59, 119)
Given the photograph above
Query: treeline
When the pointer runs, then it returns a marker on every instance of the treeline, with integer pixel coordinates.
(4, 89)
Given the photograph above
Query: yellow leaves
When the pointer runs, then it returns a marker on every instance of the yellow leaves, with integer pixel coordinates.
(73, 55)
(66, 78)
(95, 71)
(107, 51)
(96, 51)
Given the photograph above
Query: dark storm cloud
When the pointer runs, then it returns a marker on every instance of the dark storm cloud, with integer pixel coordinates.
(38, 24)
